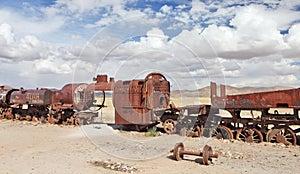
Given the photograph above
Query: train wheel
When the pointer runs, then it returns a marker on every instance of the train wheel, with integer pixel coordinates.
(222, 132)
(169, 126)
(176, 152)
(28, 118)
(207, 151)
(282, 135)
(34, 119)
(249, 135)
(9, 114)
(195, 132)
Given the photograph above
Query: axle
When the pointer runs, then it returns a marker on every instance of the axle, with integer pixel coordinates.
(206, 154)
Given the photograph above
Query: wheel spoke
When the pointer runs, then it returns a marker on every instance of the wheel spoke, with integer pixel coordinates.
(283, 135)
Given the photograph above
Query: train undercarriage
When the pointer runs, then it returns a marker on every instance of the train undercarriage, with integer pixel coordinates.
(276, 117)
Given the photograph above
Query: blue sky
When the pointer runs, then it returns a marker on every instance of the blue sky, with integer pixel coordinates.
(237, 42)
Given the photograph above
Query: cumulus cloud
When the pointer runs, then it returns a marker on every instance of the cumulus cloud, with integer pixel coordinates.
(293, 41)
(23, 25)
(166, 9)
(252, 35)
(6, 34)
(31, 58)
(27, 48)
(191, 43)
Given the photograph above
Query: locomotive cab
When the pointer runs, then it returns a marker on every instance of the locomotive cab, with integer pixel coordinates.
(137, 101)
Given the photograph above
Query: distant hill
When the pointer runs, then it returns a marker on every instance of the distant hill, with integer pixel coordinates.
(5, 87)
(205, 92)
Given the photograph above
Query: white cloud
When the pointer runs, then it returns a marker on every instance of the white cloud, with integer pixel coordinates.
(253, 34)
(31, 24)
(28, 48)
(104, 21)
(166, 9)
(50, 66)
(197, 7)
(293, 40)
(251, 51)
(155, 39)
(7, 34)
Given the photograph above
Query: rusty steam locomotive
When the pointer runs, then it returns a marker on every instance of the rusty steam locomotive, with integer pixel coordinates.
(137, 102)
(143, 103)
(42, 104)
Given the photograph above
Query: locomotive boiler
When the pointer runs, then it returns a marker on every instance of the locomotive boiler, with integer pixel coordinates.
(43, 104)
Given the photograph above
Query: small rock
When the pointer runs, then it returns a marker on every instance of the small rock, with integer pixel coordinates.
(108, 164)
(228, 154)
(226, 141)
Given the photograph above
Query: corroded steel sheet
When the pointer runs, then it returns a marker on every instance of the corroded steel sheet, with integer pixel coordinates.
(31, 97)
(136, 100)
(273, 99)
(101, 83)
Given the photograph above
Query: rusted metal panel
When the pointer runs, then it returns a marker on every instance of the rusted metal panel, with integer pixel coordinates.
(31, 97)
(216, 100)
(136, 100)
(79, 96)
(70, 93)
(273, 99)
(128, 103)
(101, 83)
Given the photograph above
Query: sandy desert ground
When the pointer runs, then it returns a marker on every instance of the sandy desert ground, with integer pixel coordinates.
(28, 147)
(42, 148)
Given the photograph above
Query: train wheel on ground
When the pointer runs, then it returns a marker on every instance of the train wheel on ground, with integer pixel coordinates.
(249, 135)
(222, 132)
(282, 135)
(169, 126)
(206, 152)
(176, 152)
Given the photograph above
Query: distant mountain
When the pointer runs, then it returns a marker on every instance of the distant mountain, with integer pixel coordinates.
(5, 87)
(205, 92)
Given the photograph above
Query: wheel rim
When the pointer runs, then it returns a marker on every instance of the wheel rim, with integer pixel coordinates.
(206, 152)
(176, 153)
(222, 132)
(249, 135)
(282, 135)
(169, 126)
(195, 132)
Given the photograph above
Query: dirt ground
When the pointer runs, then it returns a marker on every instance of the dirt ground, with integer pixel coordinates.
(42, 148)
